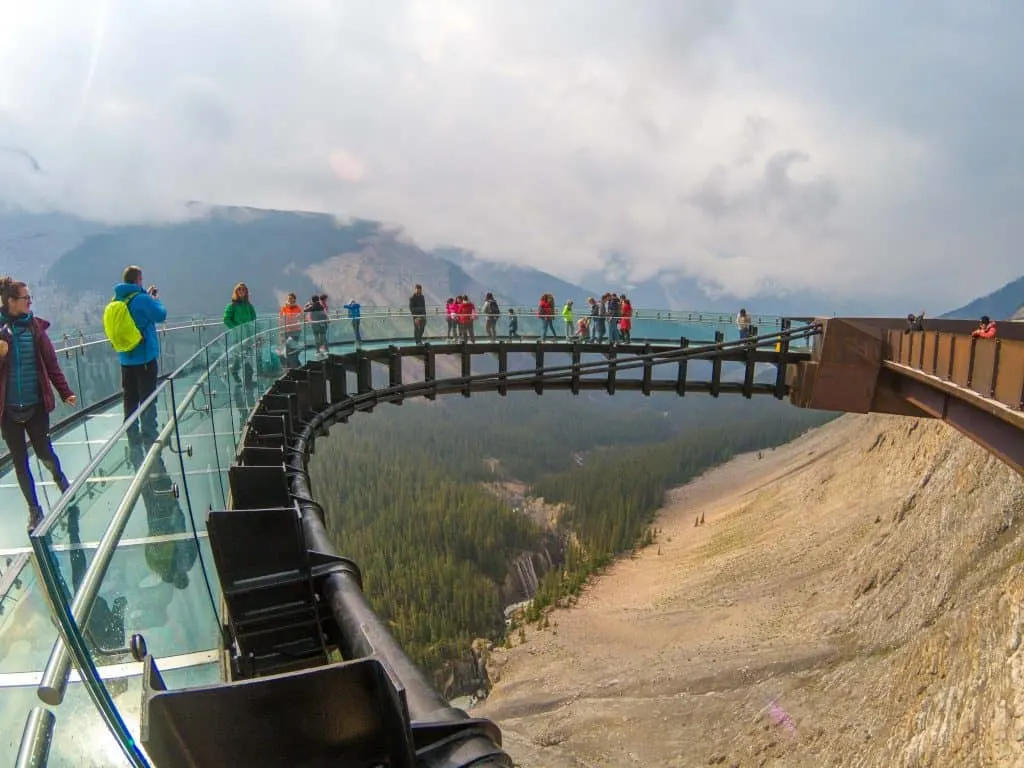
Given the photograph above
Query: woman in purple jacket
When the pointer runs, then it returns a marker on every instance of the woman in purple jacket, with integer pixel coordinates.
(28, 366)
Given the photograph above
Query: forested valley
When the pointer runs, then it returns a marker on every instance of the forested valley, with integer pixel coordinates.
(402, 491)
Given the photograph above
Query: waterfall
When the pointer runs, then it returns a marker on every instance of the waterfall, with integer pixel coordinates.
(527, 574)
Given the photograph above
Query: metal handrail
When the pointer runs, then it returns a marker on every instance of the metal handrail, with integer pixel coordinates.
(54, 681)
(161, 328)
(376, 313)
(48, 522)
(692, 317)
(36, 738)
(53, 684)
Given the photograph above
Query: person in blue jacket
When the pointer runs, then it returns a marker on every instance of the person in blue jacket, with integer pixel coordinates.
(139, 366)
(353, 315)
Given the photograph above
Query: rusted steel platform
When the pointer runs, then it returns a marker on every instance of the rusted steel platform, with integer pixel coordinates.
(863, 365)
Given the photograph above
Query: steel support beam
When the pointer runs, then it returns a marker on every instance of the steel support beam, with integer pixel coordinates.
(991, 425)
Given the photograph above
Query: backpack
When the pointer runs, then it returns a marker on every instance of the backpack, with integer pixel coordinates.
(119, 326)
(491, 308)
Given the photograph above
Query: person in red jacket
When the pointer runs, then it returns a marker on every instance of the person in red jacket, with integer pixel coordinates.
(986, 329)
(28, 368)
(546, 313)
(626, 323)
(467, 317)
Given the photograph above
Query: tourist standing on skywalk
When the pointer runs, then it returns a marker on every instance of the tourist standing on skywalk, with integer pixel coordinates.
(491, 314)
(240, 318)
(513, 324)
(418, 310)
(613, 312)
(318, 318)
(289, 322)
(626, 323)
(28, 367)
(452, 316)
(743, 323)
(546, 313)
(467, 319)
(570, 327)
(598, 328)
(139, 364)
(353, 310)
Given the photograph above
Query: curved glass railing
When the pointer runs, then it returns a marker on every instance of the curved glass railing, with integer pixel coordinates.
(124, 551)
(94, 373)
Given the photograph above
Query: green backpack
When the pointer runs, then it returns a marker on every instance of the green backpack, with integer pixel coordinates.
(119, 326)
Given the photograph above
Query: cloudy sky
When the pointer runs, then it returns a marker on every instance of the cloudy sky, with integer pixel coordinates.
(864, 147)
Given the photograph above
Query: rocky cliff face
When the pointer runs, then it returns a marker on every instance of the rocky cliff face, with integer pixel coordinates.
(854, 599)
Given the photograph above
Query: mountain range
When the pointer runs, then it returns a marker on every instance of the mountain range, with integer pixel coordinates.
(196, 262)
(1005, 303)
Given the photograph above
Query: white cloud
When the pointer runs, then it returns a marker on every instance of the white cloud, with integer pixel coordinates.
(736, 141)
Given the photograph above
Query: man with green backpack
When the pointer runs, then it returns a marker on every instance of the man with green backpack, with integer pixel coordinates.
(129, 321)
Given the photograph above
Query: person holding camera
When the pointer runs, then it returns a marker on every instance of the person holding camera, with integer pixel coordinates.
(139, 365)
(29, 371)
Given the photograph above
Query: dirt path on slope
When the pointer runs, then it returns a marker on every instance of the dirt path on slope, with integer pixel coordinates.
(675, 657)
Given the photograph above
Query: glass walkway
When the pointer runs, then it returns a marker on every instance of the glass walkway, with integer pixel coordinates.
(125, 550)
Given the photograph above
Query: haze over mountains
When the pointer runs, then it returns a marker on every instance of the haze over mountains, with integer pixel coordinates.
(198, 259)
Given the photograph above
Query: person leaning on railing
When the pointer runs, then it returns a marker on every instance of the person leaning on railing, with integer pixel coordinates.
(986, 328)
(28, 368)
(914, 322)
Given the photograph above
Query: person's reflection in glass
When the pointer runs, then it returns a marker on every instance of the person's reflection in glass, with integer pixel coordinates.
(173, 558)
(243, 393)
(105, 628)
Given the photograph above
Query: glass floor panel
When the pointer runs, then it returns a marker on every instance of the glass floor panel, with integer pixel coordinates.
(80, 737)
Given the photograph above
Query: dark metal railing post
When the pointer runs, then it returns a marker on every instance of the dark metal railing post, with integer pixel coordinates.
(995, 369)
(780, 373)
(970, 361)
(952, 356)
(681, 374)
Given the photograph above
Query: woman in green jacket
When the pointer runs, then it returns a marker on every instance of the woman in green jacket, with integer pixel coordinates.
(240, 317)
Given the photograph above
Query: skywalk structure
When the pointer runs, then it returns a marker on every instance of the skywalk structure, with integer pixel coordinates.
(202, 614)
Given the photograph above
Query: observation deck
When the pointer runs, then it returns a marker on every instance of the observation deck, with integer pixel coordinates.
(139, 545)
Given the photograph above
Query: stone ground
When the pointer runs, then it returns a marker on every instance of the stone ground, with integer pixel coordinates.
(853, 599)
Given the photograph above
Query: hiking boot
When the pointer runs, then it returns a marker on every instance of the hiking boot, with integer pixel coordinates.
(35, 517)
(62, 483)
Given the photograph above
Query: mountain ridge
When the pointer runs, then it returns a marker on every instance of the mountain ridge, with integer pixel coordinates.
(1004, 303)
(276, 251)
